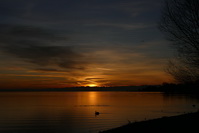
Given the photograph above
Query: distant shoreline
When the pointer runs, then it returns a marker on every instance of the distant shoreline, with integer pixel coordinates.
(165, 88)
(119, 88)
(181, 123)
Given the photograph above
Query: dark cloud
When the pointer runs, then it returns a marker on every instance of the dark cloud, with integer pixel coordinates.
(62, 56)
(93, 79)
(39, 46)
(28, 35)
(47, 70)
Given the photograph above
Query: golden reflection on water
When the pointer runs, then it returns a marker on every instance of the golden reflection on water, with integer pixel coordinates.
(92, 98)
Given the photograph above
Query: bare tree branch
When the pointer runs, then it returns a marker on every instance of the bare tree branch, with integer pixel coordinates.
(180, 23)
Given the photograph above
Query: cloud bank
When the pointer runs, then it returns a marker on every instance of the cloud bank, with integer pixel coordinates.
(39, 46)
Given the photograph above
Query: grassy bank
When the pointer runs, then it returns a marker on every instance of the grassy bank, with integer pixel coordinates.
(182, 123)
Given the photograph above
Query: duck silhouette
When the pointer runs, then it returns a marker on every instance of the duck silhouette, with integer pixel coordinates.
(194, 105)
(97, 113)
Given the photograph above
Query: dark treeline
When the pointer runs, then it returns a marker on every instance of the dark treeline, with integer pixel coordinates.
(116, 88)
(174, 88)
(168, 88)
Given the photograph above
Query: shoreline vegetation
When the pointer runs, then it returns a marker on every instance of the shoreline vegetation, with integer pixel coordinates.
(181, 123)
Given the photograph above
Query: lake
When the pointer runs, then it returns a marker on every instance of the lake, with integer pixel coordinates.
(74, 112)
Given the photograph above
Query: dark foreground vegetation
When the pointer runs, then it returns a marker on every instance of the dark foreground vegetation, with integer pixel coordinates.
(186, 123)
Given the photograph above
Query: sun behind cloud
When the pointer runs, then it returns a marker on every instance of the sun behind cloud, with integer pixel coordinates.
(92, 85)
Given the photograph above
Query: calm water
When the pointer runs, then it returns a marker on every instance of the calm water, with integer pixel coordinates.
(74, 112)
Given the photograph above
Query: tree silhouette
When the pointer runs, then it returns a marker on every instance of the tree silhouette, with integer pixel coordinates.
(180, 23)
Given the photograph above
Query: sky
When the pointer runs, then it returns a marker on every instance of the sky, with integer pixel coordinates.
(67, 43)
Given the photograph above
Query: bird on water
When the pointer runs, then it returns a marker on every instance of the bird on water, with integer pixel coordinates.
(97, 113)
